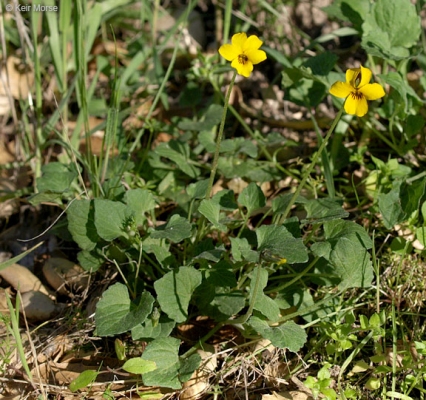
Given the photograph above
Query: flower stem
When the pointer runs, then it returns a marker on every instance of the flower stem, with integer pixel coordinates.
(311, 167)
(209, 191)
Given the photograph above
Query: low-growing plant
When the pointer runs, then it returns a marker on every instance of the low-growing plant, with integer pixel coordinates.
(160, 202)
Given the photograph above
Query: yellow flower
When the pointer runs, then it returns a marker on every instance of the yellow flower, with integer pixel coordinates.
(243, 52)
(357, 90)
(282, 261)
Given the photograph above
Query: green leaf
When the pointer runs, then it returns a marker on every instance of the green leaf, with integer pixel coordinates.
(339, 32)
(226, 200)
(81, 224)
(174, 291)
(321, 210)
(247, 147)
(352, 264)
(375, 321)
(179, 153)
(90, 261)
(292, 224)
(113, 188)
(212, 117)
(148, 330)
(221, 275)
(402, 201)
(303, 87)
(115, 313)
(211, 210)
(400, 245)
(280, 203)
(160, 249)
(277, 241)
(198, 190)
(256, 171)
(191, 96)
(301, 298)
(46, 197)
(354, 11)
(56, 177)
(349, 260)
(321, 64)
(226, 304)
(188, 366)
(83, 380)
(176, 229)
(207, 140)
(421, 235)
(164, 353)
(139, 201)
(93, 20)
(241, 249)
(389, 393)
(138, 366)
(286, 336)
(227, 146)
(329, 393)
(277, 56)
(217, 302)
(110, 218)
(263, 303)
(391, 28)
(412, 195)
(340, 228)
(171, 369)
(322, 249)
(401, 86)
(413, 125)
(390, 208)
(214, 254)
(252, 198)
(120, 349)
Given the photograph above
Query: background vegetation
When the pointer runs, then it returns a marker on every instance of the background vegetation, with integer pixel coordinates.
(301, 276)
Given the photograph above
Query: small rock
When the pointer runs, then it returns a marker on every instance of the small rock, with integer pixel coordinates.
(63, 274)
(38, 306)
(22, 279)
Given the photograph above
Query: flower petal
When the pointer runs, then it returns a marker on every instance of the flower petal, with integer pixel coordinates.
(372, 91)
(356, 106)
(228, 52)
(256, 56)
(242, 69)
(352, 74)
(341, 89)
(365, 77)
(238, 41)
(252, 43)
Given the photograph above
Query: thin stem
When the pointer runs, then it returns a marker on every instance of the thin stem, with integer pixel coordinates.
(311, 167)
(35, 19)
(409, 181)
(295, 279)
(327, 165)
(253, 296)
(254, 136)
(309, 309)
(219, 137)
(13, 328)
(351, 358)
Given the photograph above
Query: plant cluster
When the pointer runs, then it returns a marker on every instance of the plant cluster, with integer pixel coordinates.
(274, 261)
